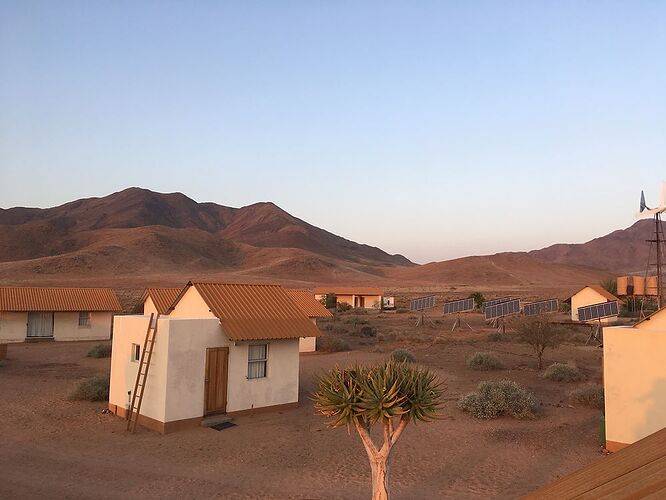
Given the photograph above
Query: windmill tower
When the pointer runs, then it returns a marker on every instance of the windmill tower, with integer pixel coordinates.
(656, 244)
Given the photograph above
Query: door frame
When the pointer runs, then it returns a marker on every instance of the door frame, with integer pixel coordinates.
(223, 410)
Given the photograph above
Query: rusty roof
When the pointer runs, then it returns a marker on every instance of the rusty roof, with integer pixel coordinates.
(636, 471)
(254, 312)
(308, 304)
(161, 297)
(601, 291)
(348, 290)
(19, 299)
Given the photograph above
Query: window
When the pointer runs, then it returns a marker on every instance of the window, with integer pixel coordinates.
(136, 352)
(84, 318)
(257, 356)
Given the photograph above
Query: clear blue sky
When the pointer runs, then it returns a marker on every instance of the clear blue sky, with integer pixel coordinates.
(431, 129)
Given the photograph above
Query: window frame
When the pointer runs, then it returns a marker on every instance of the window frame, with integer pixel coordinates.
(257, 361)
(135, 353)
(86, 319)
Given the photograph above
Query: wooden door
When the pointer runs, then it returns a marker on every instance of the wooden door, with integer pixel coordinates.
(215, 389)
(40, 324)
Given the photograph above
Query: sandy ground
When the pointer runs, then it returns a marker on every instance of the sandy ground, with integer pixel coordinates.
(55, 448)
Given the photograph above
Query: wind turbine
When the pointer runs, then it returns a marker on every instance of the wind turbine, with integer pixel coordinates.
(646, 212)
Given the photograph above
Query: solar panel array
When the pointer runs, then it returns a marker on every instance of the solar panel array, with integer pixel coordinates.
(512, 306)
(422, 303)
(494, 302)
(541, 307)
(459, 306)
(598, 311)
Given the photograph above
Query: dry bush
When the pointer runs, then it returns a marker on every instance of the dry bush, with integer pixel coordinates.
(560, 372)
(497, 398)
(92, 389)
(540, 334)
(340, 329)
(332, 344)
(484, 361)
(497, 337)
(403, 355)
(591, 395)
(402, 310)
(368, 331)
(100, 351)
(343, 307)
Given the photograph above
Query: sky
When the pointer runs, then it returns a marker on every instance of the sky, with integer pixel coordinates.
(432, 129)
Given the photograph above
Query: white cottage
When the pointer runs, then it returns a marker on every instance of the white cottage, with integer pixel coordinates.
(39, 313)
(223, 349)
(591, 294)
(314, 310)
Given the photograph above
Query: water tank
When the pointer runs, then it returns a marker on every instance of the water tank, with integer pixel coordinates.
(622, 285)
(639, 285)
(651, 286)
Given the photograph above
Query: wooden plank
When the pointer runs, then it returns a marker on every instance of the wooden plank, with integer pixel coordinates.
(646, 480)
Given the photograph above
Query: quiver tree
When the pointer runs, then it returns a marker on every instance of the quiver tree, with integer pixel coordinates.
(391, 394)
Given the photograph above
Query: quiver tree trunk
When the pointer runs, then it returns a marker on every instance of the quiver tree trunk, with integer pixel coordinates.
(379, 469)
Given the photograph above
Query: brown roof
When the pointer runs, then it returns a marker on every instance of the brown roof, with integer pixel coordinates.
(14, 298)
(310, 306)
(161, 297)
(633, 472)
(601, 291)
(348, 290)
(254, 312)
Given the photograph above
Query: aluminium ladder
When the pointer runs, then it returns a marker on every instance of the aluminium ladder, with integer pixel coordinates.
(142, 374)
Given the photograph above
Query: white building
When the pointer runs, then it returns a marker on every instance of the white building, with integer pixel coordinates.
(314, 310)
(159, 300)
(357, 297)
(38, 313)
(591, 294)
(224, 348)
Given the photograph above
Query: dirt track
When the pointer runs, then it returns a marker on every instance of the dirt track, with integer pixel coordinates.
(53, 447)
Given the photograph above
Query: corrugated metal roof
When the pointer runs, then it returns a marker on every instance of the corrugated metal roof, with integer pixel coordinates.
(601, 291)
(349, 290)
(254, 312)
(310, 306)
(18, 299)
(162, 297)
(636, 471)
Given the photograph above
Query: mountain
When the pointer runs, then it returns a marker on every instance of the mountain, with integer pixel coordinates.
(620, 252)
(140, 231)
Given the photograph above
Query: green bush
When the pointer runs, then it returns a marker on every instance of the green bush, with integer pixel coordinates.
(332, 344)
(92, 389)
(591, 395)
(497, 398)
(368, 331)
(100, 351)
(484, 361)
(559, 372)
(403, 355)
(343, 307)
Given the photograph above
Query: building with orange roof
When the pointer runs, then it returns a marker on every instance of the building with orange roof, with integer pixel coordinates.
(357, 297)
(51, 313)
(159, 300)
(222, 349)
(314, 310)
(589, 295)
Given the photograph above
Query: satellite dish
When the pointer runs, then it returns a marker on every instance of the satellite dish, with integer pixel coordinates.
(646, 212)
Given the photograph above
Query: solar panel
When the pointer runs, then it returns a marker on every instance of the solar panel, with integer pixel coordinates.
(541, 307)
(422, 303)
(459, 306)
(598, 311)
(494, 302)
(507, 308)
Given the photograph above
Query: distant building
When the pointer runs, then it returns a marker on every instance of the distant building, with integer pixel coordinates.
(41, 313)
(314, 310)
(222, 349)
(357, 297)
(159, 300)
(635, 380)
(591, 294)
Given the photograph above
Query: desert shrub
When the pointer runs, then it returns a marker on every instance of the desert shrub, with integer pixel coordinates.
(560, 372)
(402, 310)
(355, 320)
(368, 331)
(343, 307)
(496, 337)
(100, 351)
(340, 329)
(403, 355)
(591, 395)
(92, 389)
(538, 333)
(332, 344)
(479, 299)
(497, 398)
(329, 326)
(484, 361)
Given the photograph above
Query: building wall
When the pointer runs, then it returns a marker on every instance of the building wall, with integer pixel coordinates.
(66, 326)
(191, 305)
(587, 297)
(371, 301)
(149, 307)
(130, 330)
(13, 326)
(634, 383)
(308, 344)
